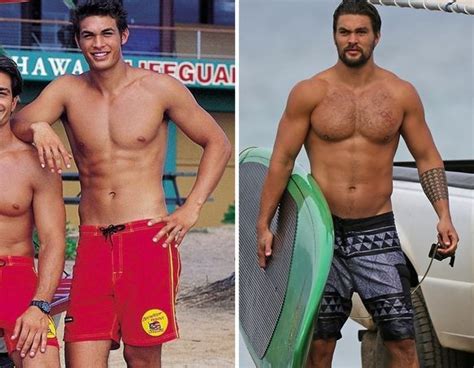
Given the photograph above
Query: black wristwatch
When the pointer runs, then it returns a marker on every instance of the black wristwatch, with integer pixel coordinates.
(43, 305)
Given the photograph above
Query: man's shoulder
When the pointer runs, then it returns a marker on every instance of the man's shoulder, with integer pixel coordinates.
(23, 160)
(401, 90)
(311, 90)
(28, 157)
(149, 77)
(70, 78)
(68, 83)
(23, 154)
(394, 82)
(157, 84)
(318, 81)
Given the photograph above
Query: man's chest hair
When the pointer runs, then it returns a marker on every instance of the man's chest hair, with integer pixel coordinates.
(373, 113)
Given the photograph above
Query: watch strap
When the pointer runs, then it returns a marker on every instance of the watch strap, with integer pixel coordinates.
(43, 305)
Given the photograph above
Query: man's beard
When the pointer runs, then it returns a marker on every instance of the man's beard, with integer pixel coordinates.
(355, 63)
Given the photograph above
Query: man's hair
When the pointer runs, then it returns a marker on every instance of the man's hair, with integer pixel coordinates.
(9, 67)
(111, 8)
(358, 7)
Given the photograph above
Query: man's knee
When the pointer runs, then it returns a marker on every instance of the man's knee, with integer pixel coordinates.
(321, 352)
(137, 357)
(324, 346)
(49, 359)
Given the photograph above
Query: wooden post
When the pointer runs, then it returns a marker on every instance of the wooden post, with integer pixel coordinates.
(167, 44)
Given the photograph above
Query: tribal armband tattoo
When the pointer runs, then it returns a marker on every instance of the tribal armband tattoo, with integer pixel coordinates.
(434, 184)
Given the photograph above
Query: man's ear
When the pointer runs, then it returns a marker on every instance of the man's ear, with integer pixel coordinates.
(124, 36)
(15, 101)
(377, 38)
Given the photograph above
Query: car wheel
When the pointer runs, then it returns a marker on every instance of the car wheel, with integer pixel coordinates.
(430, 353)
(373, 352)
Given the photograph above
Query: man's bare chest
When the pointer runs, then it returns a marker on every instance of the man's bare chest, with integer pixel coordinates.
(374, 114)
(15, 189)
(126, 124)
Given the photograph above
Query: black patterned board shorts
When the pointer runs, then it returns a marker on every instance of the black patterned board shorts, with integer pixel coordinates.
(368, 260)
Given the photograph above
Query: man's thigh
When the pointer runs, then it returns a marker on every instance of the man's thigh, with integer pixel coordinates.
(382, 281)
(48, 359)
(85, 354)
(336, 302)
(145, 293)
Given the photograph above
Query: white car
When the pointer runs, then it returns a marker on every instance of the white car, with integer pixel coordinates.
(444, 304)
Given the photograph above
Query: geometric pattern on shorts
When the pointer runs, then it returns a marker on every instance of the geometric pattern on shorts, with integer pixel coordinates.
(387, 307)
(367, 259)
(333, 304)
(371, 242)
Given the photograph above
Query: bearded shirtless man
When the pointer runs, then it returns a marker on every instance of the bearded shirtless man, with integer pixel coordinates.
(116, 119)
(350, 118)
(29, 197)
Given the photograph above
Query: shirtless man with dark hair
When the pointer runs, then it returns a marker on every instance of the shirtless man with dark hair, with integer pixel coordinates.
(116, 119)
(350, 118)
(29, 197)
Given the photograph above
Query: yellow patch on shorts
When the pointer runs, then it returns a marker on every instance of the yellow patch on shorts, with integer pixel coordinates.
(155, 322)
(51, 328)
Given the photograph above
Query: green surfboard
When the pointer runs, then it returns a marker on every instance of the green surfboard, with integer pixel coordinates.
(278, 304)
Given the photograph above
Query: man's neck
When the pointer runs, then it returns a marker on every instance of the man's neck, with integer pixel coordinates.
(356, 77)
(6, 136)
(108, 81)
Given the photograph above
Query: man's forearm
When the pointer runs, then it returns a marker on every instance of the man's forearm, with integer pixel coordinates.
(22, 129)
(211, 168)
(272, 191)
(50, 267)
(435, 186)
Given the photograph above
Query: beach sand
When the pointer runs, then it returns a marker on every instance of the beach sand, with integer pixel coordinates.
(206, 328)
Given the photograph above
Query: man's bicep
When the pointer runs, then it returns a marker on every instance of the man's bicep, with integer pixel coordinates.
(191, 118)
(48, 207)
(415, 130)
(290, 137)
(294, 124)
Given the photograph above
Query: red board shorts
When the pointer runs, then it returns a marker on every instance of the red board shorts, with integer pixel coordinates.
(124, 286)
(18, 281)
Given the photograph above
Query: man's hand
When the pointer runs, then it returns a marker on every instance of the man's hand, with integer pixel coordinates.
(51, 150)
(177, 225)
(31, 331)
(448, 237)
(264, 245)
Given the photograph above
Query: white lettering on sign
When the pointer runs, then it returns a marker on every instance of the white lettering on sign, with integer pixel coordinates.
(188, 72)
(22, 64)
(59, 66)
(39, 68)
(77, 69)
